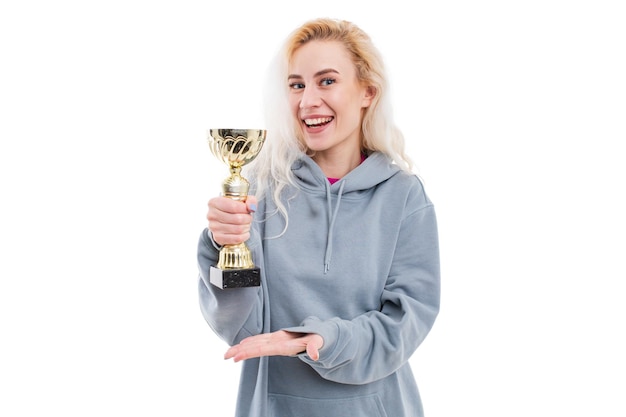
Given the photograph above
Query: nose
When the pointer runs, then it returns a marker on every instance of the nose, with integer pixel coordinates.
(310, 98)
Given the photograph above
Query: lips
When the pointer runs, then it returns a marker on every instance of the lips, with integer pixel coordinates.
(318, 121)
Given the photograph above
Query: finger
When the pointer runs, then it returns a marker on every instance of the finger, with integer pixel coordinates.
(229, 234)
(231, 213)
(278, 343)
(229, 221)
(242, 352)
(229, 226)
(239, 352)
(228, 205)
(230, 353)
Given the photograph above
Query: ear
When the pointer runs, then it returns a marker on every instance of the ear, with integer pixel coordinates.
(370, 93)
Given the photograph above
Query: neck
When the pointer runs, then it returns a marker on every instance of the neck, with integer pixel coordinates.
(339, 165)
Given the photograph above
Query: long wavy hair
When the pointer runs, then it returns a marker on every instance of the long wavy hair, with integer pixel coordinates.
(271, 170)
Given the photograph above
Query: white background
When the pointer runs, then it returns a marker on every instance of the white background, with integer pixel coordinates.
(514, 112)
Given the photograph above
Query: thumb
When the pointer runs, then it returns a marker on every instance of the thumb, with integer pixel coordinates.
(311, 350)
(251, 203)
(314, 345)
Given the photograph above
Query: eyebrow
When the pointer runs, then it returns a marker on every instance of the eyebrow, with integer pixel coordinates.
(317, 74)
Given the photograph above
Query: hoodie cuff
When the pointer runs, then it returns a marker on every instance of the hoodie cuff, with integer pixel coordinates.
(329, 330)
(209, 237)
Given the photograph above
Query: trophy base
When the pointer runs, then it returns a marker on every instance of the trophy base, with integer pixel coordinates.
(235, 278)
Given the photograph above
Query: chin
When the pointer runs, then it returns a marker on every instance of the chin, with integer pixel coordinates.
(315, 146)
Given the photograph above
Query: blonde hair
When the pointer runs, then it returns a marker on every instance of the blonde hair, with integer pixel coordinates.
(284, 145)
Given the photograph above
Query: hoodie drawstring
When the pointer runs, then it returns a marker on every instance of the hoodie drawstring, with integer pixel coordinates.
(331, 223)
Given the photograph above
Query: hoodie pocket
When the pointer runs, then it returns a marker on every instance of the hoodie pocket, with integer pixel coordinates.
(290, 406)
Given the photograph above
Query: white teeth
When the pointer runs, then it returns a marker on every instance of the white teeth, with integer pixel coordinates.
(318, 121)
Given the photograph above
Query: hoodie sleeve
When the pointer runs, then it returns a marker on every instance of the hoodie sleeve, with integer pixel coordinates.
(233, 314)
(377, 343)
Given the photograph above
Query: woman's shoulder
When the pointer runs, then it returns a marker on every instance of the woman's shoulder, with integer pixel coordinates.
(412, 187)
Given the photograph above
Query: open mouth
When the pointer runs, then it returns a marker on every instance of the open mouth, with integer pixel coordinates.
(320, 121)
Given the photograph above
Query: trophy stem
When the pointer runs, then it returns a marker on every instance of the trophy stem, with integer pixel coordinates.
(235, 186)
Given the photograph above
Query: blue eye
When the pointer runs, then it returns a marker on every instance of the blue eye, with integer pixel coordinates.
(327, 81)
(296, 86)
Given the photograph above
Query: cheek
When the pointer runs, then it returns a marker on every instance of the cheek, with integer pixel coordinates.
(294, 104)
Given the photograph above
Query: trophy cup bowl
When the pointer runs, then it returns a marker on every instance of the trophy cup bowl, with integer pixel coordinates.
(236, 148)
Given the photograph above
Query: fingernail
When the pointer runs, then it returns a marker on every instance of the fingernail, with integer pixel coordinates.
(253, 207)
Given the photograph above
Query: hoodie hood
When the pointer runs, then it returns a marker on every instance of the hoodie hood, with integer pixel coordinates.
(375, 169)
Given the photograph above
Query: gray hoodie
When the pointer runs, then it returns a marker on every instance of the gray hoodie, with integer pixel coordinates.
(359, 265)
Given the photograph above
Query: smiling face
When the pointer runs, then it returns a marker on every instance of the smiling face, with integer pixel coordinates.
(326, 97)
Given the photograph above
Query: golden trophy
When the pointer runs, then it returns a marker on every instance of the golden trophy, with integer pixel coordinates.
(235, 147)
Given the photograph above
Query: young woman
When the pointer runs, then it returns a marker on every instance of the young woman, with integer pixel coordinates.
(344, 235)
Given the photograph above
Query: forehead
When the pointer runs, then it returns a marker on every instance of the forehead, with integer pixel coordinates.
(316, 55)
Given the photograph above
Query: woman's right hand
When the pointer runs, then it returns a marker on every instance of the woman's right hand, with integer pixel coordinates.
(230, 220)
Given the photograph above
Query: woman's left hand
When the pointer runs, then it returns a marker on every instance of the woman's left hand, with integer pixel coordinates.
(279, 343)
